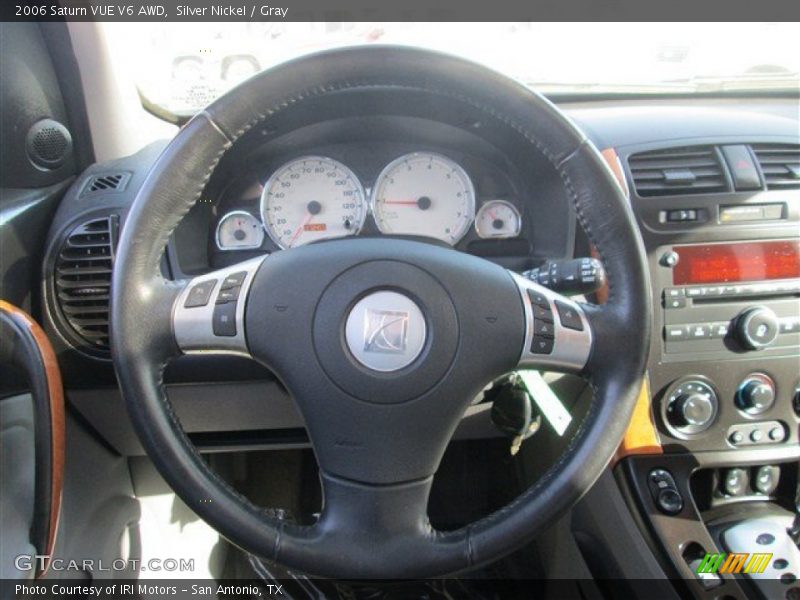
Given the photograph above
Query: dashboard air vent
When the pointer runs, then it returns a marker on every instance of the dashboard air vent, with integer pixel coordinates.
(780, 164)
(83, 282)
(106, 182)
(685, 170)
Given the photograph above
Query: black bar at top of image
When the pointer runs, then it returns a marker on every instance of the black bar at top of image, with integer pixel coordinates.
(405, 10)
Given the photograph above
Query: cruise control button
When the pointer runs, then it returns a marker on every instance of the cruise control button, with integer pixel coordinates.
(200, 294)
(568, 316)
(224, 319)
(541, 345)
(541, 313)
(538, 299)
(229, 295)
(233, 280)
(543, 328)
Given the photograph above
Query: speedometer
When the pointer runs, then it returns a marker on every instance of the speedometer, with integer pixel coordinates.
(312, 198)
(424, 194)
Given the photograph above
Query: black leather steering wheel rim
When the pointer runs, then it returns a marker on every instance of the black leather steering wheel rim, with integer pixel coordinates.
(386, 542)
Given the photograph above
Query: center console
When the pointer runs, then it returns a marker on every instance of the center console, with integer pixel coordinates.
(724, 371)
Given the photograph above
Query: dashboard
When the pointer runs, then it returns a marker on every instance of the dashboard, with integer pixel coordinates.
(459, 182)
(369, 168)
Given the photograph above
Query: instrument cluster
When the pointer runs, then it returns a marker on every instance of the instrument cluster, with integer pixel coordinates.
(315, 197)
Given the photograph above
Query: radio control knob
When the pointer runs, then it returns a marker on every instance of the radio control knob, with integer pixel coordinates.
(756, 394)
(757, 327)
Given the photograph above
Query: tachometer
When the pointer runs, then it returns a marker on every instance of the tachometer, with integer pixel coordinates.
(312, 198)
(239, 230)
(424, 194)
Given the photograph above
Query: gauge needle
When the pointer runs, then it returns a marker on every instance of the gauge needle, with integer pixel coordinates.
(299, 230)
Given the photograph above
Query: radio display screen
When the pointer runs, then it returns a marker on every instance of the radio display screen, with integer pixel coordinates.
(744, 261)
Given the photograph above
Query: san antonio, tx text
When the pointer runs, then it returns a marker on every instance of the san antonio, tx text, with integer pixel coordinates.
(137, 589)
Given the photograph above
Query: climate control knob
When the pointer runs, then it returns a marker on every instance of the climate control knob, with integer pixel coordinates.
(692, 407)
(756, 394)
(757, 327)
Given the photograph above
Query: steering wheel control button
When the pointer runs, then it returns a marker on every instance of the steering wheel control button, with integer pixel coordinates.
(224, 319)
(385, 331)
(542, 345)
(543, 329)
(736, 482)
(233, 280)
(200, 294)
(665, 492)
(542, 313)
(568, 316)
(766, 479)
(538, 299)
(228, 295)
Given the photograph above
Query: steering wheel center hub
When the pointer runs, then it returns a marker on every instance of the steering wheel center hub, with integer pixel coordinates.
(385, 331)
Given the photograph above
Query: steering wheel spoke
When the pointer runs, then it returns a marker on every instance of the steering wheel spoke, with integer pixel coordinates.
(208, 315)
(558, 333)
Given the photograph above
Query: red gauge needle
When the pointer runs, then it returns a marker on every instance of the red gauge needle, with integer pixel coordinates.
(299, 230)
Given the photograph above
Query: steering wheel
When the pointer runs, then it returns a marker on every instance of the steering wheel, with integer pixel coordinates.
(382, 343)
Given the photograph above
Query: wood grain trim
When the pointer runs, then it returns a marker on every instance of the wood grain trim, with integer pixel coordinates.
(55, 391)
(641, 436)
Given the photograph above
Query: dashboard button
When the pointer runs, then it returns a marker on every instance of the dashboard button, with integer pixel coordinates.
(776, 434)
(742, 168)
(200, 294)
(719, 330)
(698, 331)
(675, 332)
(735, 481)
(756, 435)
(678, 302)
(766, 480)
(736, 437)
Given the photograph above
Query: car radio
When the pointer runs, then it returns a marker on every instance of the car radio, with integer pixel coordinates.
(731, 297)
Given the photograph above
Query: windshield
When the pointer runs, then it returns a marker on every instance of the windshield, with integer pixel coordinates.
(181, 67)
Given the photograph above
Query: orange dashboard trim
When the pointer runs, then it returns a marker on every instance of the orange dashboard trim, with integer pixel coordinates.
(55, 391)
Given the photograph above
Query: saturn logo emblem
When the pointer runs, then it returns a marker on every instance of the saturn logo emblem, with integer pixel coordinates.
(385, 331)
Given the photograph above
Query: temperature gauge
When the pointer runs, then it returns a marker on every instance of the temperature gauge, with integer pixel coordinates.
(239, 230)
(498, 219)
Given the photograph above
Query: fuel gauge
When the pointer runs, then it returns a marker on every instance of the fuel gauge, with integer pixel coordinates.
(239, 230)
(498, 219)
